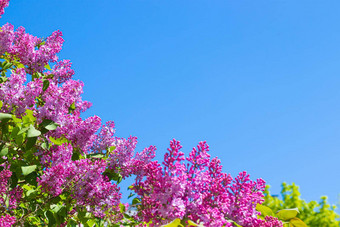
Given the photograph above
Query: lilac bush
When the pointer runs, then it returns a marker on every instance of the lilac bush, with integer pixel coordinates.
(59, 169)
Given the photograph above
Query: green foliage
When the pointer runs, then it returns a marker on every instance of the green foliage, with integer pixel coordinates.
(314, 214)
(287, 216)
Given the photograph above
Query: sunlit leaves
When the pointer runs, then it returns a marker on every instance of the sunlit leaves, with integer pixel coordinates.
(28, 169)
(287, 214)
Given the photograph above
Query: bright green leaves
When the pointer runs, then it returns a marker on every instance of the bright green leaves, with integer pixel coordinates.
(48, 125)
(265, 211)
(5, 65)
(191, 223)
(48, 67)
(32, 132)
(313, 213)
(28, 169)
(58, 141)
(95, 155)
(296, 222)
(4, 151)
(5, 116)
(30, 192)
(178, 223)
(174, 223)
(29, 118)
(136, 201)
(72, 108)
(287, 214)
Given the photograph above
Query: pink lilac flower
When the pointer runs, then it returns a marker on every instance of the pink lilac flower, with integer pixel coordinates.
(84, 180)
(12, 195)
(3, 5)
(33, 51)
(195, 187)
(16, 95)
(6, 37)
(7, 221)
(62, 71)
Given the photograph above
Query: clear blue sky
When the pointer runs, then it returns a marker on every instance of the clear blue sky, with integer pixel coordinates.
(258, 80)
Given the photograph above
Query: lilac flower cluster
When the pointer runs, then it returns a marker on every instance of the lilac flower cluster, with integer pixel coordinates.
(7, 221)
(34, 52)
(9, 198)
(83, 179)
(3, 5)
(198, 190)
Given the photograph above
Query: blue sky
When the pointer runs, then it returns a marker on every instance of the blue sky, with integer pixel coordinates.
(258, 80)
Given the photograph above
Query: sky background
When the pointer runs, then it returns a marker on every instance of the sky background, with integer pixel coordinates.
(258, 80)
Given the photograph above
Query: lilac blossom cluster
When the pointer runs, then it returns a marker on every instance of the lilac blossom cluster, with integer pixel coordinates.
(9, 197)
(3, 5)
(7, 221)
(195, 188)
(189, 188)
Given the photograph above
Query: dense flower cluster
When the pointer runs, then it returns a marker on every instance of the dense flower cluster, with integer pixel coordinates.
(75, 162)
(7, 221)
(83, 179)
(3, 5)
(62, 71)
(198, 190)
(34, 52)
(9, 198)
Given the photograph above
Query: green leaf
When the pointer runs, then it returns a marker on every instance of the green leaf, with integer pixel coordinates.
(15, 132)
(174, 223)
(6, 65)
(131, 195)
(19, 139)
(72, 108)
(91, 222)
(28, 169)
(296, 222)
(58, 141)
(23, 130)
(32, 132)
(47, 66)
(265, 211)
(31, 194)
(287, 214)
(95, 155)
(191, 223)
(28, 118)
(5, 116)
(50, 217)
(55, 208)
(46, 83)
(30, 142)
(49, 124)
(112, 148)
(44, 146)
(135, 201)
(122, 208)
(4, 151)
